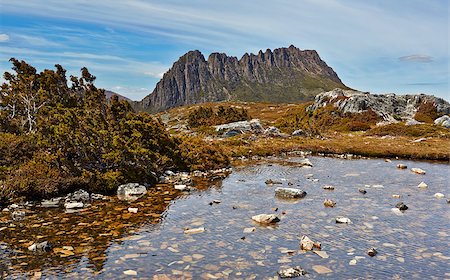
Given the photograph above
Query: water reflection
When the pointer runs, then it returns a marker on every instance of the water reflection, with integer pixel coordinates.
(110, 243)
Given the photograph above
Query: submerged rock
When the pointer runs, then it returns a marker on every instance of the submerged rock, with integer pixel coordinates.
(133, 210)
(422, 185)
(130, 191)
(78, 196)
(266, 218)
(18, 215)
(291, 272)
(272, 182)
(289, 193)
(182, 187)
(329, 188)
(343, 220)
(401, 206)
(363, 191)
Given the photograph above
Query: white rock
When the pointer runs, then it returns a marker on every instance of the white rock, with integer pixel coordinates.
(266, 218)
(133, 210)
(418, 171)
(439, 195)
(352, 262)
(248, 230)
(181, 187)
(194, 230)
(131, 191)
(130, 272)
(343, 220)
(73, 205)
(422, 185)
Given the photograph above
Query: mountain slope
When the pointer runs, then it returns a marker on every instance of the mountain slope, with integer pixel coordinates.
(281, 75)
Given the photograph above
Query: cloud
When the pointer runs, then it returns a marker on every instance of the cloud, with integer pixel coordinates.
(37, 41)
(420, 58)
(426, 84)
(4, 38)
(154, 74)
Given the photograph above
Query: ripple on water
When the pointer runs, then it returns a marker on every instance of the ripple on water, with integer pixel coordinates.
(411, 245)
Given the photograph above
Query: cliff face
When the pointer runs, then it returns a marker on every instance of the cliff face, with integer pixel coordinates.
(281, 75)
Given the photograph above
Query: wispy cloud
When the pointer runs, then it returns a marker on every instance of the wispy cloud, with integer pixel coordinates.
(4, 38)
(421, 58)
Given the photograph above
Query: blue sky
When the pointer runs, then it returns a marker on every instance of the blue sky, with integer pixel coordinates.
(380, 46)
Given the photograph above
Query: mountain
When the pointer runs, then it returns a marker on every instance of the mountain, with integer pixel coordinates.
(109, 94)
(281, 75)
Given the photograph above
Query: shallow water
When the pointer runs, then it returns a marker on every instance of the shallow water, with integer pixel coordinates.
(412, 244)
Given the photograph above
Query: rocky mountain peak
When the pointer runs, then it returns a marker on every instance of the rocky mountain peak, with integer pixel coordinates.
(282, 75)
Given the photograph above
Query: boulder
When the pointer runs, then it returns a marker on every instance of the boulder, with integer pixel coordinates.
(78, 196)
(266, 218)
(131, 191)
(291, 272)
(444, 121)
(253, 125)
(289, 193)
(272, 130)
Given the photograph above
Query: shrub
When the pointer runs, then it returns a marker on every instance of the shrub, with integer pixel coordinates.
(426, 112)
(206, 116)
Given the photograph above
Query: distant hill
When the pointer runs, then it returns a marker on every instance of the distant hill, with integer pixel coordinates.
(109, 93)
(281, 75)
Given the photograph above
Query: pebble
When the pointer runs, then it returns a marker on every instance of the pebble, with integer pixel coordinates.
(329, 188)
(343, 220)
(396, 196)
(329, 203)
(352, 262)
(439, 195)
(248, 230)
(422, 185)
(372, 252)
(133, 210)
(130, 272)
(363, 191)
(194, 230)
(401, 166)
(401, 206)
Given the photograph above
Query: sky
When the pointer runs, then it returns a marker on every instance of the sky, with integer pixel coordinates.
(380, 46)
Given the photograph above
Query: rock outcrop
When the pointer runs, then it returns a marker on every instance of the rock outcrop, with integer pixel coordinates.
(281, 75)
(389, 107)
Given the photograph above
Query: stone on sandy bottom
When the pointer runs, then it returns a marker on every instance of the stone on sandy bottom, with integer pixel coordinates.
(401, 166)
(372, 252)
(74, 205)
(289, 193)
(401, 206)
(439, 195)
(321, 269)
(133, 210)
(329, 203)
(307, 244)
(291, 272)
(422, 185)
(194, 230)
(266, 218)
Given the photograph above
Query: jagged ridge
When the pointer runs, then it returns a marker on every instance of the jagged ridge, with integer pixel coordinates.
(281, 75)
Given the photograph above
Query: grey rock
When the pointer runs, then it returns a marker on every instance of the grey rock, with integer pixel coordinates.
(73, 205)
(232, 133)
(18, 215)
(289, 193)
(253, 125)
(131, 191)
(78, 196)
(444, 121)
(272, 130)
(388, 106)
(307, 244)
(96, 196)
(272, 182)
(412, 122)
(291, 272)
(51, 203)
(40, 247)
(299, 132)
(401, 206)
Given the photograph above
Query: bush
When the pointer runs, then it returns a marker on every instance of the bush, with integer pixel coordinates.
(206, 116)
(420, 130)
(198, 154)
(426, 112)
